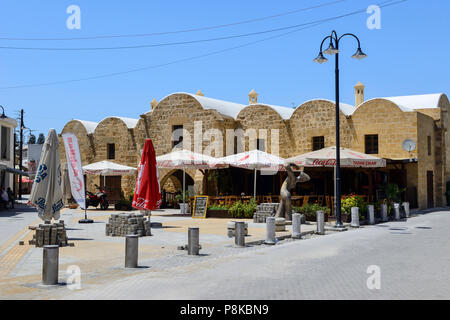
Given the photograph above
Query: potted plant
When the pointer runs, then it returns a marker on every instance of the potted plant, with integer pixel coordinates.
(184, 207)
(218, 211)
(353, 201)
(309, 211)
(243, 210)
(123, 205)
(392, 192)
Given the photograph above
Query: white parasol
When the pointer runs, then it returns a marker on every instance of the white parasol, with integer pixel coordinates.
(46, 194)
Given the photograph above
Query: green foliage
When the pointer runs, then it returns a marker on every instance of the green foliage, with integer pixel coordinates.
(309, 210)
(41, 139)
(392, 192)
(243, 210)
(32, 139)
(354, 201)
(218, 207)
(179, 196)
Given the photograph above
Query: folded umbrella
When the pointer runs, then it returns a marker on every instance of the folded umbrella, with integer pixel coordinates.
(147, 195)
(46, 194)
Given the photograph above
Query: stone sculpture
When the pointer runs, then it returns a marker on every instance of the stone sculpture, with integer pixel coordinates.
(285, 207)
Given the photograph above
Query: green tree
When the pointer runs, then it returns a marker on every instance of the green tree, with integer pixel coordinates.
(41, 139)
(32, 139)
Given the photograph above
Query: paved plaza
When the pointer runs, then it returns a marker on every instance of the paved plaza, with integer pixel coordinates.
(412, 257)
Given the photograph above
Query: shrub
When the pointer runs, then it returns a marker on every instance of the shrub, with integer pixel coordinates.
(309, 210)
(243, 210)
(218, 207)
(123, 204)
(354, 201)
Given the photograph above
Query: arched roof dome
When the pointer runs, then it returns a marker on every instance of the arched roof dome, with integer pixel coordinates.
(129, 122)
(232, 109)
(345, 108)
(89, 125)
(423, 101)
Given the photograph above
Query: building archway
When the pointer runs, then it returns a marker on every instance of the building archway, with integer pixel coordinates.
(171, 185)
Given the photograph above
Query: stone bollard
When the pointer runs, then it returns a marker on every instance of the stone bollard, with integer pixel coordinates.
(397, 211)
(384, 216)
(406, 208)
(193, 241)
(320, 222)
(371, 211)
(239, 234)
(131, 250)
(50, 265)
(296, 225)
(355, 217)
(270, 230)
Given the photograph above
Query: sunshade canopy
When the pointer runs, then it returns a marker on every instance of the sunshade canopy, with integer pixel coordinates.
(108, 168)
(254, 159)
(181, 159)
(326, 157)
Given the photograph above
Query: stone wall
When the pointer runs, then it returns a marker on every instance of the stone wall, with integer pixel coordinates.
(313, 118)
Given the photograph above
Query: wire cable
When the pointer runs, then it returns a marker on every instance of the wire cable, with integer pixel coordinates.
(107, 75)
(179, 31)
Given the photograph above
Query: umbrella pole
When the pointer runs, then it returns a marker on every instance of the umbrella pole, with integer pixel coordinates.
(184, 187)
(254, 185)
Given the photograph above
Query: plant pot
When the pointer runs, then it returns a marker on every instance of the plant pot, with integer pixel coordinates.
(218, 214)
(184, 208)
(73, 206)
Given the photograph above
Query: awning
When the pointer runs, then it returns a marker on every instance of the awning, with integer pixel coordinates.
(14, 171)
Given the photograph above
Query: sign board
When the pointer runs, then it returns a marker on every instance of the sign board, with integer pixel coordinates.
(200, 207)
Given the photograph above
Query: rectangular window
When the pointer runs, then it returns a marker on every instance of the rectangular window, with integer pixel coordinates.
(177, 136)
(261, 144)
(5, 143)
(429, 145)
(371, 142)
(111, 151)
(318, 143)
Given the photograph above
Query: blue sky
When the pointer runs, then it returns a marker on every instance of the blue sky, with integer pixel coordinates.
(408, 55)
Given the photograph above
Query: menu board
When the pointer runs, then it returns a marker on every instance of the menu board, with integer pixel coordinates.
(200, 207)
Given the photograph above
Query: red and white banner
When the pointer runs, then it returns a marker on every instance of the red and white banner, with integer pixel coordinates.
(75, 168)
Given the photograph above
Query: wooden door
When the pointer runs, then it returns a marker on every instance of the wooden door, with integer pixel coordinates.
(113, 187)
(430, 190)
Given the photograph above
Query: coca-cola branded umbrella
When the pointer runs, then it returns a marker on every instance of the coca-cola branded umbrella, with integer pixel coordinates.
(326, 157)
(147, 195)
(255, 160)
(183, 159)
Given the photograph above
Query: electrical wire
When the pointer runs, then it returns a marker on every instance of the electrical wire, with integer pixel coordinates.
(179, 31)
(107, 75)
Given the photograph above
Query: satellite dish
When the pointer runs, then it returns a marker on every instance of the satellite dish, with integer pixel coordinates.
(409, 145)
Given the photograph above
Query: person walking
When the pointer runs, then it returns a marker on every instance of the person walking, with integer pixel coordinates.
(4, 197)
(11, 197)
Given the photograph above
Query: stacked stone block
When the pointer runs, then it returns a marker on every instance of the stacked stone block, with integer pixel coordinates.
(49, 234)
(120, 225)
(263, 211)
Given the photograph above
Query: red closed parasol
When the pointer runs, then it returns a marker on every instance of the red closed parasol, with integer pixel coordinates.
(147, 195)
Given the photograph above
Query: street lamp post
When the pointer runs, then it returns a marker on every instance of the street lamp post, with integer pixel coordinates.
(333, 49)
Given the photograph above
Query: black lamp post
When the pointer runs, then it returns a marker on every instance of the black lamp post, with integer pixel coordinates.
(333, 48)
(3, 116)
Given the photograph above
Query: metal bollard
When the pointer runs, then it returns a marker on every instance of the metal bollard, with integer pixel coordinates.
(50, 265)
(239, 234)
(320, 222)
(397, 211)
(131, 251)
(296, 225)
(384, 217)
(371, 210)
(193, 241)
(355, 217)
(406, 208)
(270, 230)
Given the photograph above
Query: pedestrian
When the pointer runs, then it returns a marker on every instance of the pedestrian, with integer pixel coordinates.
(10, 197)
(4, 197)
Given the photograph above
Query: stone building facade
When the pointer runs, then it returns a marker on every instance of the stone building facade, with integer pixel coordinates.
(390, 121)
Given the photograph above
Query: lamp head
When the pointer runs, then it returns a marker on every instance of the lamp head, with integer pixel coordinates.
(359, 54)
(320, 58)
(3, 116)
(331, 49)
